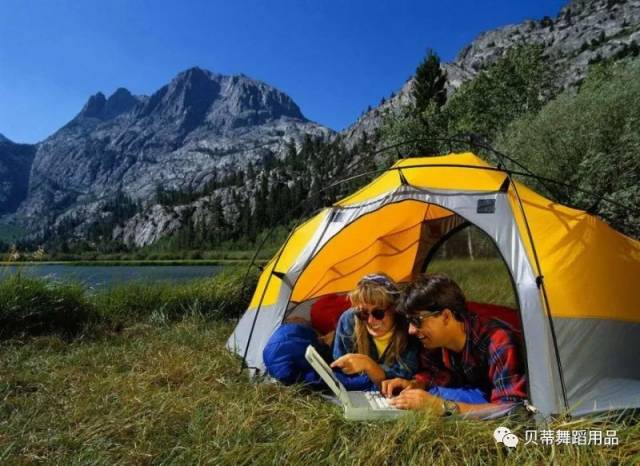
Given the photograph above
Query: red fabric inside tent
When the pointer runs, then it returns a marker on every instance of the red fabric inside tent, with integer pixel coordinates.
(326, 312)
(493, 311)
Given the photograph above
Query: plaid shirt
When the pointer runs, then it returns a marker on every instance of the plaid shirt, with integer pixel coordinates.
(491, 360)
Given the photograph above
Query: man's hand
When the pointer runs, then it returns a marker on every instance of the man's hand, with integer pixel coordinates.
(416, 398)
(397, 385)
(391, 386)
(353, 363)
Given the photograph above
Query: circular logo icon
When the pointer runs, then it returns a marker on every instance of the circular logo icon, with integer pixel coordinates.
(499, 433)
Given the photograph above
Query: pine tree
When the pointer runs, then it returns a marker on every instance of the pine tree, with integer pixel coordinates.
(429, 83)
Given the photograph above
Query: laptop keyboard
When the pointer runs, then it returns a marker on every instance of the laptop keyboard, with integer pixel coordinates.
(377, 401)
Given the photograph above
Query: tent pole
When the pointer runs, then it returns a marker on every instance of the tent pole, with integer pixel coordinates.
(330, 217)
(264, 292)
(540, 283)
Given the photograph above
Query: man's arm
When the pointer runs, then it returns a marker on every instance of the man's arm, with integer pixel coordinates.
(506, 373)
(417, 399)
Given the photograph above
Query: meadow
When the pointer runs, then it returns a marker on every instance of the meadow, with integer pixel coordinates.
(145, 379)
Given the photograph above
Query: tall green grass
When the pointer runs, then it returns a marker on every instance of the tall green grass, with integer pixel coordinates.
(483, 280)
(164, 390)
(34, 307)
(30, 306)
(216, 298)
(172, 395)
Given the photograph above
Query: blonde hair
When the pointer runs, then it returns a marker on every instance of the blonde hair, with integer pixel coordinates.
(379, 290)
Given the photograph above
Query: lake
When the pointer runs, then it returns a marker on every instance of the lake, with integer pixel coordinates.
(106, 276)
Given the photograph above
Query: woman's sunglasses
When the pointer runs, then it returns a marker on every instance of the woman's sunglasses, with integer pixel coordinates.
(377, 314)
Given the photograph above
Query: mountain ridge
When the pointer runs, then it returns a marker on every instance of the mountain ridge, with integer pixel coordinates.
(198, 124)
(203, 126)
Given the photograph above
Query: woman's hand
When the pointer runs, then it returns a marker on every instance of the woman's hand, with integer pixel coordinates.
(354, 363)
(415, 398)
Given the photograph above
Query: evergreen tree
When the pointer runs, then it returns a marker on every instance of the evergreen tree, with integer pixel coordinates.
(429, 84)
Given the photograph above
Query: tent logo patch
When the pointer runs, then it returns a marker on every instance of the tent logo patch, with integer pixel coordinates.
(486, 206)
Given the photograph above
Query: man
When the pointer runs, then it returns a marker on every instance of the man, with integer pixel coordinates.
(460, 352)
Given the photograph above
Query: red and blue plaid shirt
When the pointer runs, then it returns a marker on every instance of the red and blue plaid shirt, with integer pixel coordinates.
(491, 360)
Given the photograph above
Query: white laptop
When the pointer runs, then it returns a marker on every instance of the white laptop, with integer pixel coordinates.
(358, 406)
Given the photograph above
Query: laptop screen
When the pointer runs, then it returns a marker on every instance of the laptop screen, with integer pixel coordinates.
(323, 369)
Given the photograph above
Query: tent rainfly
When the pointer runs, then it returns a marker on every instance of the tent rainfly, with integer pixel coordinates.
(576, 280)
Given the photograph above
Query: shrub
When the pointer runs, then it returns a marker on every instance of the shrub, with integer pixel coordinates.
(518, 83)
(216, 298)
(589, 140)
(30, 306)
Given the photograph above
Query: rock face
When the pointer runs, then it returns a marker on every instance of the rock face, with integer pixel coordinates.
(15, 165)
(199, 124)
(584, 31)
(158, 221)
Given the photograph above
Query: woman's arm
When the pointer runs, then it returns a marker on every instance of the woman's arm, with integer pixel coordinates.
(343, 341)
(354, 363)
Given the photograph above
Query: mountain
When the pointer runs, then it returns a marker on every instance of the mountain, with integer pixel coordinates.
(583, 32)
(196, 128)
(107, 169)
(15, 165)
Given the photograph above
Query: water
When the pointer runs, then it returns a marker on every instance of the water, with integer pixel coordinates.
(105, 276)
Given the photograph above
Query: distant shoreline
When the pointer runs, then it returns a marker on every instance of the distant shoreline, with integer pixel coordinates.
(116, 263)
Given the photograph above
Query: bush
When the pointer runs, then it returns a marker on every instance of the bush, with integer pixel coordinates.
(518, 83)
(216, 298)
(589, 140)
(30, 306)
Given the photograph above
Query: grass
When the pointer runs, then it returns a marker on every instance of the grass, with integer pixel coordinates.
(31, 306)
(173, 395)
(34, 307)
(165, 391)
(483, 280)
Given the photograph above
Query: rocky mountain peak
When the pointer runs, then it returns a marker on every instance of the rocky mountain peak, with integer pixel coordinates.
(98, 106)
(121, 101)
(583, 32)
(197, 96)
(187, 97)
(3, 138)
(93, 107)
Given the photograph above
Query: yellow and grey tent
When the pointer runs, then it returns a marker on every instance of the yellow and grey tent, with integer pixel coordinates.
(576, 279)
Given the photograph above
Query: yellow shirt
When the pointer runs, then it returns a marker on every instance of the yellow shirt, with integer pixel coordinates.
(382, 343)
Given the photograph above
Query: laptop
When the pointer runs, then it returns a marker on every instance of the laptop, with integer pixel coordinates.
(358, 405)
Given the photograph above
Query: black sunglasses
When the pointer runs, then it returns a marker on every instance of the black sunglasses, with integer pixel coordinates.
(416, 319)
(377, 314)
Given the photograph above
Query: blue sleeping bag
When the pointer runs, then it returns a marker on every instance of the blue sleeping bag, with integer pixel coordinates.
(283, 356)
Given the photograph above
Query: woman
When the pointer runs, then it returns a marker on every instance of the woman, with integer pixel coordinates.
(371, 338)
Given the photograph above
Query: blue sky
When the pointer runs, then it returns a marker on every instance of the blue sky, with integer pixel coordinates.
(333, 57)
